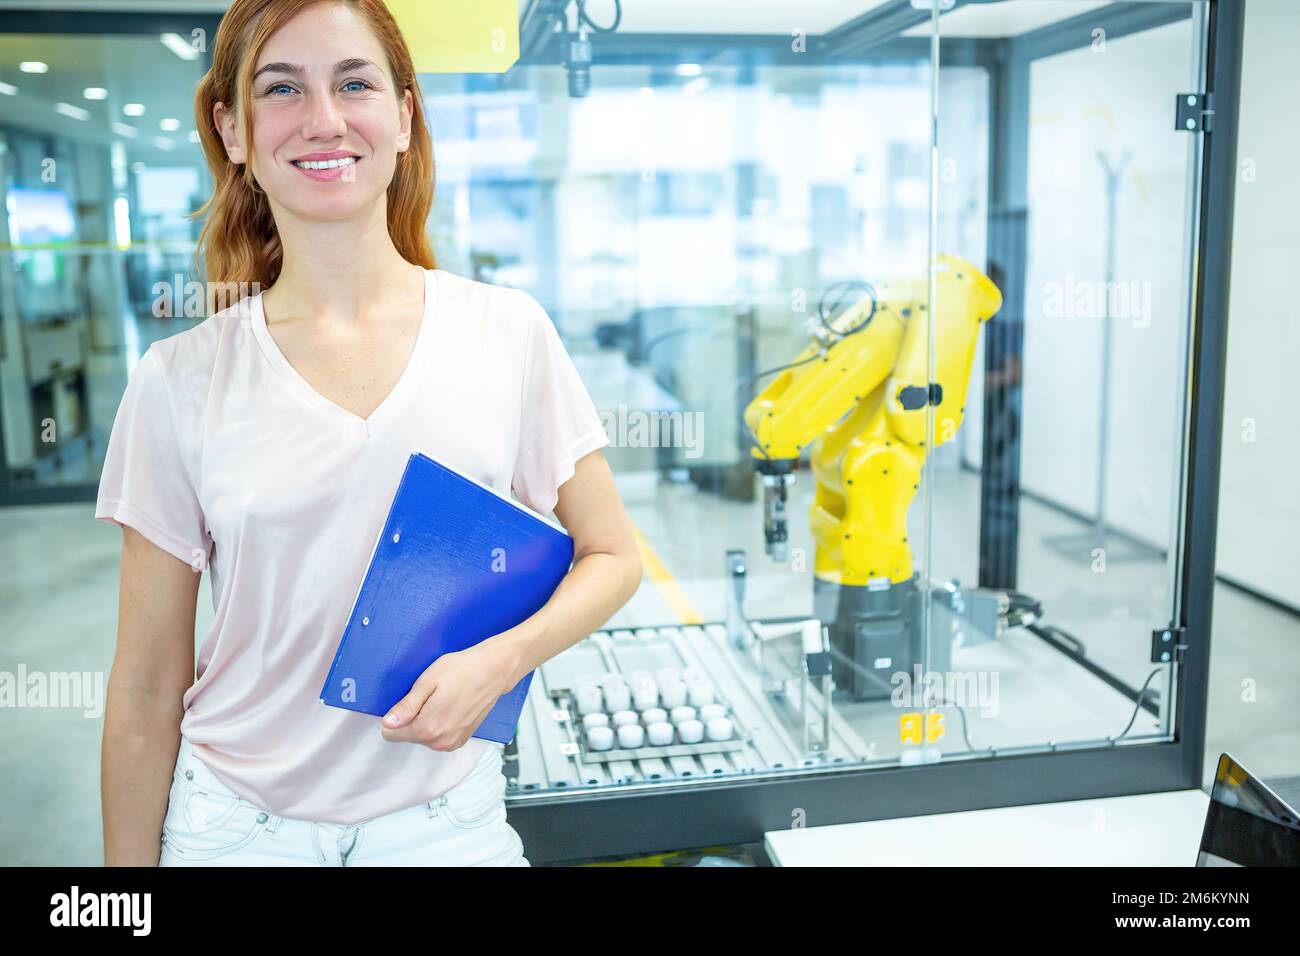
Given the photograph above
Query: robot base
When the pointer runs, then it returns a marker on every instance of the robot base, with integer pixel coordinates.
(875, 633)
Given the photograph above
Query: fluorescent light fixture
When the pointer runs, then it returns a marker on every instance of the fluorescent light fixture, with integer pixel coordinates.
(34, 66)
(193, 136)
(67, 109)
(122, 222)
(121, 129)
(162, 142)
(95, 93)
(169, 125)
(697, 85)
(180, 46)
(689, 69)
(8, 89)
(133, 109)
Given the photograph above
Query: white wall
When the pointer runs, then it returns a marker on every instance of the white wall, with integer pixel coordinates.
(1259, 498)
(1109, 102)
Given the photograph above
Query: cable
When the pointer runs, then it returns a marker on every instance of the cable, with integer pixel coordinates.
(595, 27)
(1137, 706)
(846, 284)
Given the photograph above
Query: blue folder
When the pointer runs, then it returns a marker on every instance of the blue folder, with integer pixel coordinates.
(455, 563)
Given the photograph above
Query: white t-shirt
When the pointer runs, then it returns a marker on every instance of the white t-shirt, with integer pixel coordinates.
(224, 456)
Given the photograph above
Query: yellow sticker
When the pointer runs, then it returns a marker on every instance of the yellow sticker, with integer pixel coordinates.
(452, 36)
(910, 727)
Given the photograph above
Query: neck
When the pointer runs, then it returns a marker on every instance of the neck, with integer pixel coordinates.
(340, 269)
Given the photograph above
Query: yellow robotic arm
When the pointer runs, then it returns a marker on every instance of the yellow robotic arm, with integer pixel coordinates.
(859, 393)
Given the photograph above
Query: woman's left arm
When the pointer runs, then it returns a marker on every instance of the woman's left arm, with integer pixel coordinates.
(454, 695)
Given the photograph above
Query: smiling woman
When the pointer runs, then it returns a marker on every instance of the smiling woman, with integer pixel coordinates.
(266, 443)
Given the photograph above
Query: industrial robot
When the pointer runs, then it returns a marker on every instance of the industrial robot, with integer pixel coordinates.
(860, 399)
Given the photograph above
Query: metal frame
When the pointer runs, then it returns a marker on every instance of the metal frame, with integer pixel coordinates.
(563, 826)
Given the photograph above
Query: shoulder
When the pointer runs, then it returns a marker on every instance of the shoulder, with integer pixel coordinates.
(489, 307)
(189, 357)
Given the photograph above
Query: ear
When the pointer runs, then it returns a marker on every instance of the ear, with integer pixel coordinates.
(404, 125)
(228, 128)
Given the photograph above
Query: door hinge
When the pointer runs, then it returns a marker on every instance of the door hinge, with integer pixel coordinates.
(1193, 112)
(1167, 645)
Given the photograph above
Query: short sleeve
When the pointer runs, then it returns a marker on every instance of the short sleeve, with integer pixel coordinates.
(559, 423)
(145, 482)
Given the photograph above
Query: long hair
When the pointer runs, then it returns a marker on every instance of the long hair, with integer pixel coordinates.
(239, 244)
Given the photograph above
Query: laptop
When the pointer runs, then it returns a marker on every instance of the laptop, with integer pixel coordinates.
(1247, 823)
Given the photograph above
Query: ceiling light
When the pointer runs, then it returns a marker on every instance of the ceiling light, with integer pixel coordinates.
(95, 93)
(180, 46)
(689, 69)
(8, 89)
(67, 109)
(133, 109)
(162, 142)
(194, 136)
(34, 66)
(121, 129)
(169, 125)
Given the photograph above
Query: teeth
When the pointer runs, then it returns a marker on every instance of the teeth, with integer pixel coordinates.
(326, 164)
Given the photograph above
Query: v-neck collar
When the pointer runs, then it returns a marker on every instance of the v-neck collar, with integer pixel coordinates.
(353, 423)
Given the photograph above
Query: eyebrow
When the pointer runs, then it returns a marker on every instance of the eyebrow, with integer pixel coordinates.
(343, 66)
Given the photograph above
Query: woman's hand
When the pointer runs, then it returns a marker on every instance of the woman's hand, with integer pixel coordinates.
(452, 697)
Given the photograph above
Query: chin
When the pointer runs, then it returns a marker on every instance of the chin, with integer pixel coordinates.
(322, 208)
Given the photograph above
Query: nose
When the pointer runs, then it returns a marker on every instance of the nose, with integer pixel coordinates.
(323, 119)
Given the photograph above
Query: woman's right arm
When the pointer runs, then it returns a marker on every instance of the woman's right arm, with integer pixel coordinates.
(152, 668)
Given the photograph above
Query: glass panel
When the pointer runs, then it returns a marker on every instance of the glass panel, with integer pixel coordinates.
(686, 224)
(99, 169)
(1056, 504)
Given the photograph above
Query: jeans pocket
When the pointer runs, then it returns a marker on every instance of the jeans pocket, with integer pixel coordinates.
(479, 799)
(203, 823)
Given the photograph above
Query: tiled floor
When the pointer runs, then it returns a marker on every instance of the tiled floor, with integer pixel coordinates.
(58, 605)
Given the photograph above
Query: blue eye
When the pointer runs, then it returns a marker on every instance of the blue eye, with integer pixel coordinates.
(278, 86)
(362, 83)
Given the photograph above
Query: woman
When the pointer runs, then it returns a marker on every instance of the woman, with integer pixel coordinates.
(265, 445)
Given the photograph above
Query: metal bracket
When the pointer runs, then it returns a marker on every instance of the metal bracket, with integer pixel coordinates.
(1193, 112)
(1167, 645)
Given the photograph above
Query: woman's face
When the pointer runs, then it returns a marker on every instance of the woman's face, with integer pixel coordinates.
(327, 123)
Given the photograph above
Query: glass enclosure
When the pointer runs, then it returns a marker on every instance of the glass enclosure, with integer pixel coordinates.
(734, 247)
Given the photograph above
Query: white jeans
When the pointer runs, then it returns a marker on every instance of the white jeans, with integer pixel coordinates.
(208, 825)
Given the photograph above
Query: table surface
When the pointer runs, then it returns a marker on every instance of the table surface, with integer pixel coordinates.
(1150, 829)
